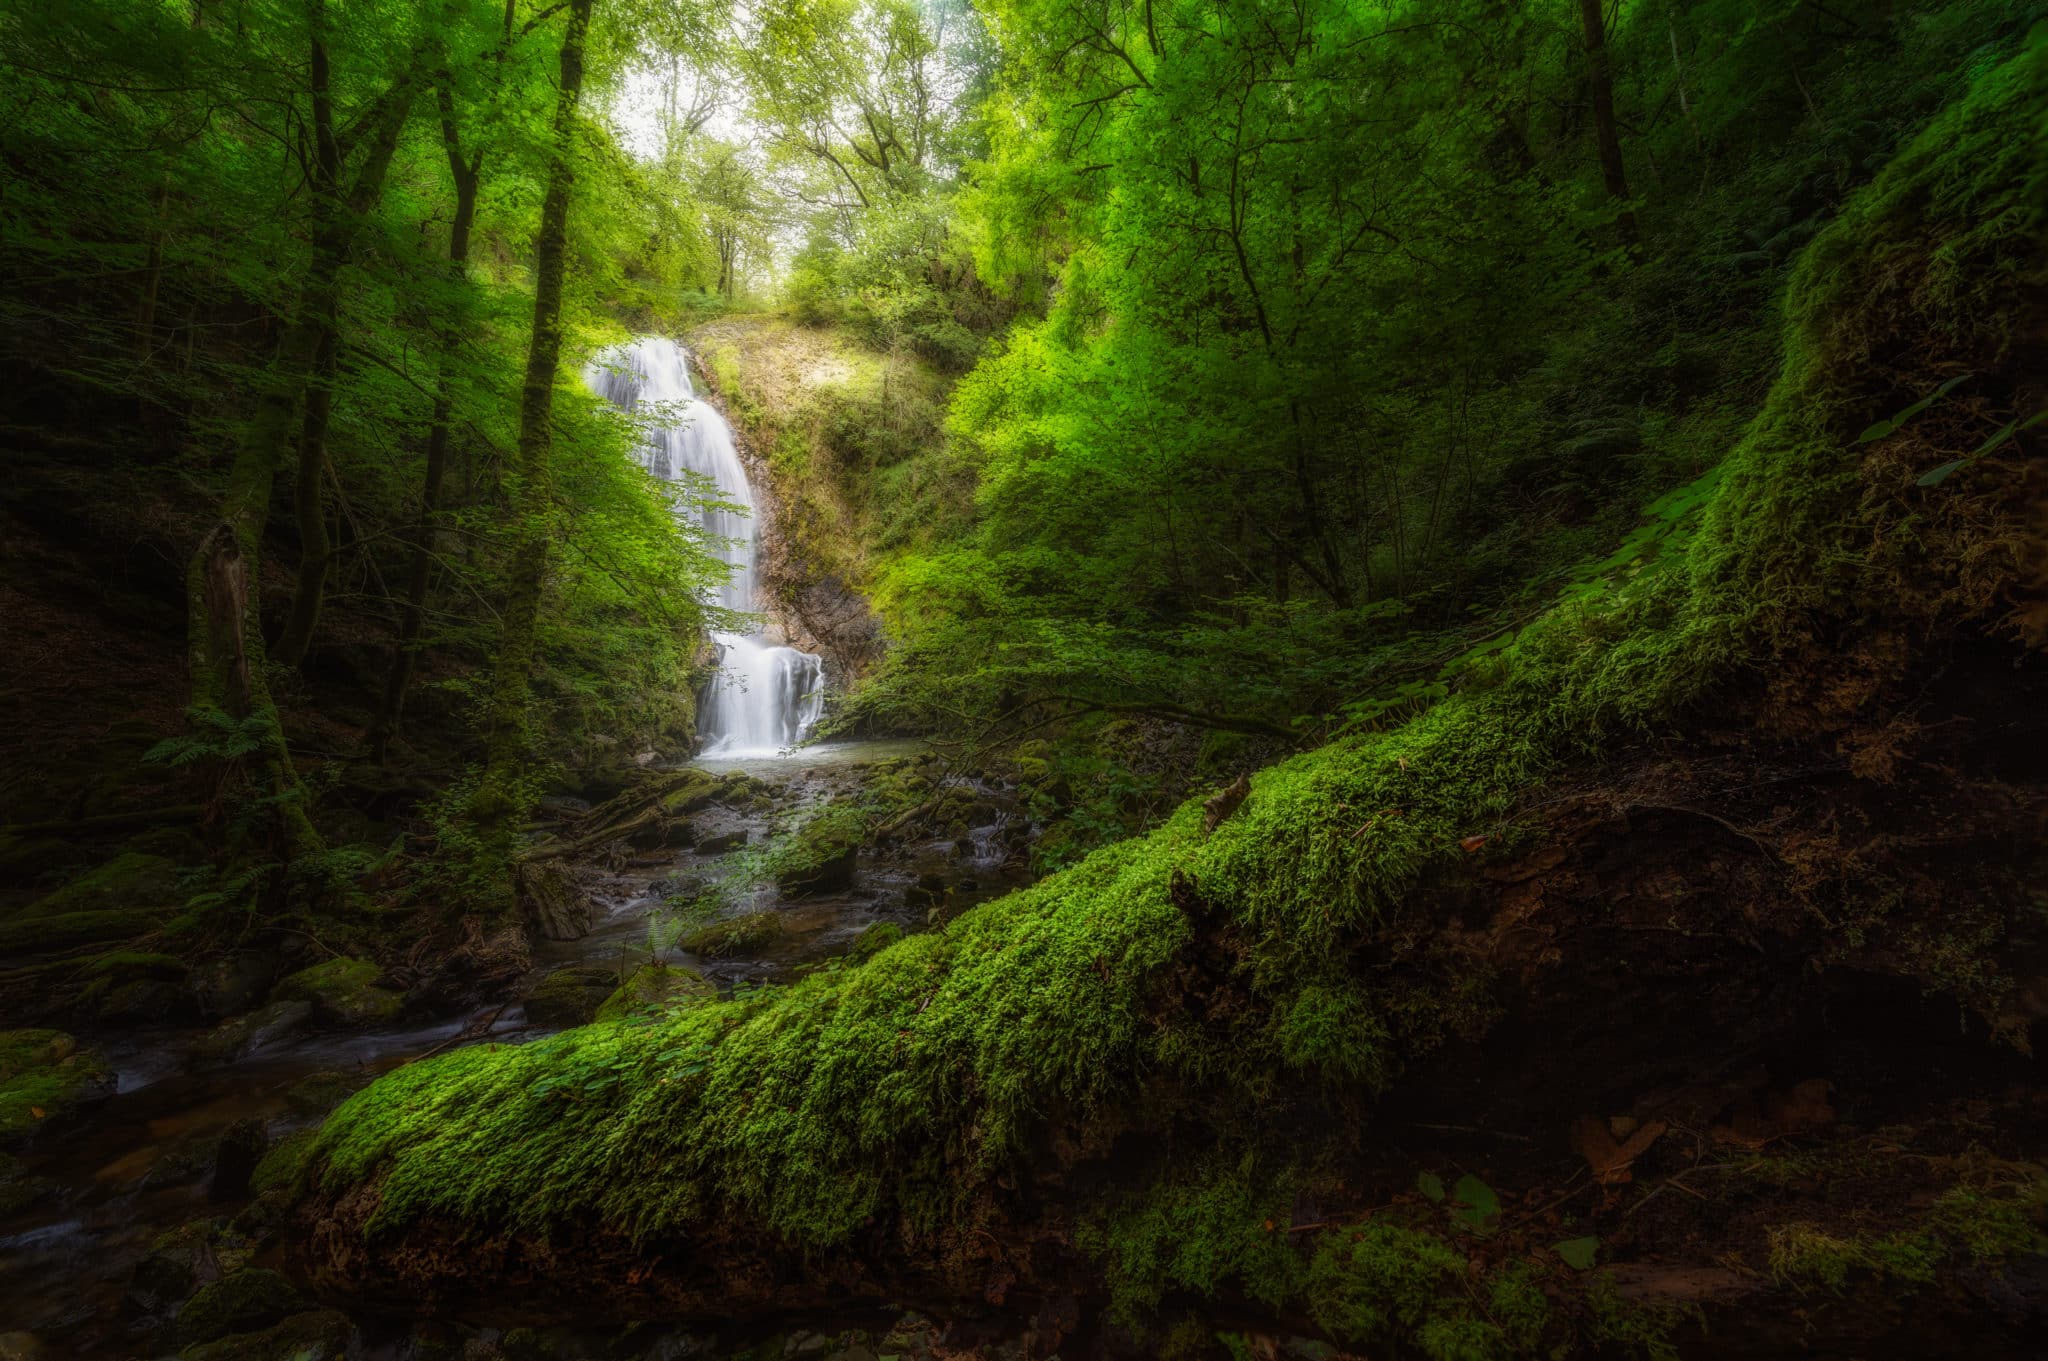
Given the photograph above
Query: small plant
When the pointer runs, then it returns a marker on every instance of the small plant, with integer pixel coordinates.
(1470, 1204)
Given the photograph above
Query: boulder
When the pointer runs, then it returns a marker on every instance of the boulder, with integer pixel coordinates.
(820, 857)
(130, 880)
(241, 1147)
(234, 983)
(343, 992)
(45, 1077)
(571, 995)
(874, 940)
(719, 845)
(245, 1301)
(239, 1035)
(714, 940)
(556, 907)
(656, 988)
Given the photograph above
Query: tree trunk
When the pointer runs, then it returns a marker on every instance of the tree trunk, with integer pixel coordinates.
(1612, 170)
(335, 215)
(467, 175)
(495, 798)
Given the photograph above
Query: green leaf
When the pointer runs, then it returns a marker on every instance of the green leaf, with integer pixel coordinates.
(1431, 1185)
(1479, 1207)
(1940, 475)
(1878, 431)
(1578, 1253)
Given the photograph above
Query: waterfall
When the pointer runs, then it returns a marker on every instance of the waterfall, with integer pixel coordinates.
(766, 695)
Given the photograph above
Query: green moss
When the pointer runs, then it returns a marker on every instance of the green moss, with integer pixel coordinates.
(732, 935)
(45, 1076)
(654, 989)
(128, 881)
(138, 964)
(571, 995)
(35, 935)
(809, 1108)
(316, 1335)
(1974, 1223)
(283, 1165)
(343, 992)
(1215, 1224)
(819, 856)
(242, 1302)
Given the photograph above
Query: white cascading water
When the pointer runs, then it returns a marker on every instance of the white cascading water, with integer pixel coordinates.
(766, 695)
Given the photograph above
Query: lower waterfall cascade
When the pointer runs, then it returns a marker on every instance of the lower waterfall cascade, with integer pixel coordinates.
(767, 695)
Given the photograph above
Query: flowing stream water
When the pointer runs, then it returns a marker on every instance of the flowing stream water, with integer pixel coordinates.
(767, 695)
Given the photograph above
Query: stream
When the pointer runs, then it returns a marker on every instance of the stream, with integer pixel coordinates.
(139, 1164)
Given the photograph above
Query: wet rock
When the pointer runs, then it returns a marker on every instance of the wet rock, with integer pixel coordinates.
(241, 1147)
(820, 857)
(714, 940)
(178, 1263)
(144, 999)
(571, 995)
(245, 1301)
(45, 1078)
(656, 988)
(928, 892)
(239, 1035)
(234, 984)
(343, 992)
(315, 1335)
(719, 845)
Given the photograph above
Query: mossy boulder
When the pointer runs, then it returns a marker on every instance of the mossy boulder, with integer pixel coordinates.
(129, 880)
(571, 995)
(244, 1301)
(315, 1335)
(32, 935)
(343, 992)
(281, 1166)
(44, 1077)
(656, 988)
(873, 940)
(715, 940)
(820, 857)
(697, 791)
(179, 1262)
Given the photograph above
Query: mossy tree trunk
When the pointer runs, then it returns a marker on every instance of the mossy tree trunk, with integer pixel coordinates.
(533, 489)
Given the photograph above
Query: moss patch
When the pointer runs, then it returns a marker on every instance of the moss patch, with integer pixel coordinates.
(343, 992)
(45, 1076)
(653, 989)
